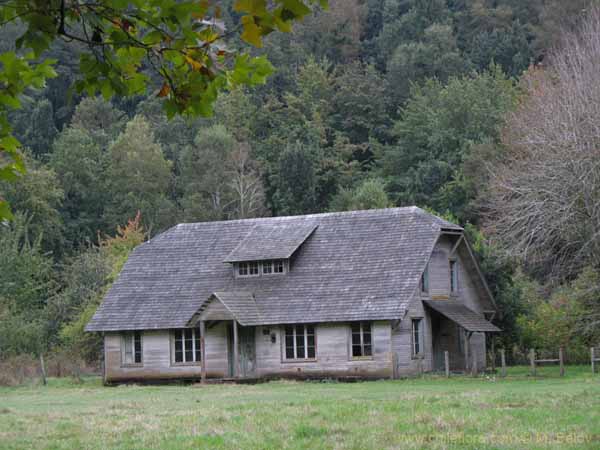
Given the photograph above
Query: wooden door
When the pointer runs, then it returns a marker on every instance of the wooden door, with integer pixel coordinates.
(247, 351)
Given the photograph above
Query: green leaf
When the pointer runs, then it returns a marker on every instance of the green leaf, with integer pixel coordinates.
(5, 212)
(252, 33)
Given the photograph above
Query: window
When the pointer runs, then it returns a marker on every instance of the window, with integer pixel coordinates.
(417, 337)
(300, 342)
(131, 348)
(278, 266)
(255, 268)
(186, 345)
(267, 267)
(361, 339)
(252, 268)
(248, 269)
(453, 276)
(425, 279)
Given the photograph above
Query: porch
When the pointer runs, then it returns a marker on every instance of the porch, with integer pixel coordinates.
(459, 331)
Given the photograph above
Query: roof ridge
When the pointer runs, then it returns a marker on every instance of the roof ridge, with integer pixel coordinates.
(375, 211)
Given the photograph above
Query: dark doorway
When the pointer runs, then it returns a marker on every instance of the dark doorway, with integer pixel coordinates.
(447, 337)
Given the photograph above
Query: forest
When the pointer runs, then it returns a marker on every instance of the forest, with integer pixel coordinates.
(482, 111)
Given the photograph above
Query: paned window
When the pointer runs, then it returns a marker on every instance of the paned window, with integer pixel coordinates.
(186, 346)
(132, 348)
(300, 342)
(361, 339)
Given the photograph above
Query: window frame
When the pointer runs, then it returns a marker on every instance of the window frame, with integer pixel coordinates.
(196, 351)
(284, 346)
(453, 275)
(131, 335)
(420, 341)
(424, 282)
(362, 356)
(277, 267)
(269, 264)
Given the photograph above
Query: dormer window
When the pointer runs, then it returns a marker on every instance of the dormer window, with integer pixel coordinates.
(267, 267)
(256, 268)
(278, 266)
(248, 269)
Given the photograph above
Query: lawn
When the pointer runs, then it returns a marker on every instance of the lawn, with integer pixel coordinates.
(431, 412)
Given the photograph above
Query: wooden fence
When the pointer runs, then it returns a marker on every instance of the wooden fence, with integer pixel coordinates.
(595, 359)
(534, 362)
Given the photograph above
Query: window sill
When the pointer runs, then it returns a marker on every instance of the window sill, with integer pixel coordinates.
(132, 365)
(417, 357)
(184, 364)
(361, 358)
(292, 361)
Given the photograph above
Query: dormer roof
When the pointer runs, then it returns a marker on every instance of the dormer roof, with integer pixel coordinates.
(271, 241)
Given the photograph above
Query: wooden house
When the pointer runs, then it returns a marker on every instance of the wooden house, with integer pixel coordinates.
(370, 294)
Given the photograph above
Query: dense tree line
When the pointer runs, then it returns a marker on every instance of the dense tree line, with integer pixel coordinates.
(374, 103)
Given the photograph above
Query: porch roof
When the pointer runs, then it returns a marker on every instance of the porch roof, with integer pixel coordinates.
(240, 304)
(459, 313)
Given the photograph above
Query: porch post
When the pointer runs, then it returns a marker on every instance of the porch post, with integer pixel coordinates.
(203, 349)
(467, 350)
(236, 352)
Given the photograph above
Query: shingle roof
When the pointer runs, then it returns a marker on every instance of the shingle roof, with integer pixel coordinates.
(268, 241)
(241, 304)
(459, 313)
(360, 265)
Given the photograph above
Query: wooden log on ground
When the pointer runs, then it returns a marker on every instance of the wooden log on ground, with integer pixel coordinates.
(447, 363)
(503, 362)
(532, 361)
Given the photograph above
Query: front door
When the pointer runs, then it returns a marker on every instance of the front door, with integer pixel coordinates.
(247, 351)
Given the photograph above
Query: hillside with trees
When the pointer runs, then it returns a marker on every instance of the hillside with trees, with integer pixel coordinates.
(485, 112)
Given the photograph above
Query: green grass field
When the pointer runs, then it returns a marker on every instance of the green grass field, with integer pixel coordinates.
(431, 412)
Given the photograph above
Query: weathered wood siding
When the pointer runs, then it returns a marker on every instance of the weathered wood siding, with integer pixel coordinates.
(439, 288)
(333, 354)
(402, 342)
(156, 357)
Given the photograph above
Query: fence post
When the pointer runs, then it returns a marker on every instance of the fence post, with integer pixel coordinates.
(561, 361)
(593, 352)
(43, 369)
(503, 362)
(447, 363)
(532, 361)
